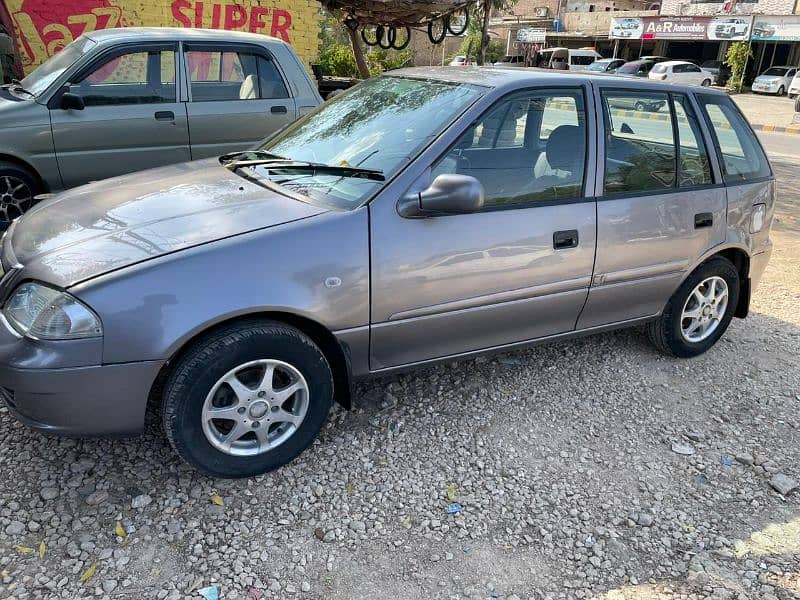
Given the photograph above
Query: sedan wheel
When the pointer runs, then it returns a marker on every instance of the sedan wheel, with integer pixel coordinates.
(247, 398)
(781, 90)
(706, 82)
(16, 194)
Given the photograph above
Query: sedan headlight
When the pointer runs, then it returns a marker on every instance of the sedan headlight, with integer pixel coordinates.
(42, 312)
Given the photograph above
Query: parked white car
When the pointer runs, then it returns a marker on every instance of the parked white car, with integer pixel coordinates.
(794, 87)
(681, 71)
(775, 80)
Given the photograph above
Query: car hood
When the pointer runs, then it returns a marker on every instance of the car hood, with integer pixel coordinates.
(121, 221)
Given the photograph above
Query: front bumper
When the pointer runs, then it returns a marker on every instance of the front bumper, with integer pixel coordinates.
(765, 88)
(80, 401)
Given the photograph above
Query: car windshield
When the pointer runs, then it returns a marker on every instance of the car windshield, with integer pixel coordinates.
(599, 65)
(776, 71)
(381, 125)
(629, 68)
(51, 69)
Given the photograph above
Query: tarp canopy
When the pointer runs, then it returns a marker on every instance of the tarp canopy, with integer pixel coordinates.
(393, 12)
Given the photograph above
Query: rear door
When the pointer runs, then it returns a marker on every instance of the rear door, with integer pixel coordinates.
(132, 120)
(661, 203)
(237, 97)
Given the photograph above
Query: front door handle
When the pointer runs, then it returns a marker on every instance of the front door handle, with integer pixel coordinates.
(165, 115)
(703, 220)
(565, 239)
(278, 110)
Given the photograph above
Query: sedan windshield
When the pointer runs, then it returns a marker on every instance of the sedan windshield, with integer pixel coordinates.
(629, 68)
(51, 69)
(599, 65)
(776, 72)
(380, 125)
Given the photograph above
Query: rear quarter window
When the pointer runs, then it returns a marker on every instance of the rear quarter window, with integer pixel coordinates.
(738, 148)
(659, 69)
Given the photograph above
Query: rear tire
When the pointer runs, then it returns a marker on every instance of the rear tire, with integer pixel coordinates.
(668, 332)
(227, 418)
(18, 187)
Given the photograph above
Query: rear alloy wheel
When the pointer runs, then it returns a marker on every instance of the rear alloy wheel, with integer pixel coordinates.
(247, 399)
(699, 312)
(17, 190)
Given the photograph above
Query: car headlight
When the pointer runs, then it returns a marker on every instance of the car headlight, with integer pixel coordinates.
(42, 312)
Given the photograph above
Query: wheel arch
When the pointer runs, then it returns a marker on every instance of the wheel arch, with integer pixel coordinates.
(740, 259)
(27, 166)
(337, 353)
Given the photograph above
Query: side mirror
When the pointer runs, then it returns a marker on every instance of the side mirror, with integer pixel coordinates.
(448, 194)
(70, 101)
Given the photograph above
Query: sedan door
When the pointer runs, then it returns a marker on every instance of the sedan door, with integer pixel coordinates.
(237, 97)
(661, 205)
(517, 270)
(132, 118)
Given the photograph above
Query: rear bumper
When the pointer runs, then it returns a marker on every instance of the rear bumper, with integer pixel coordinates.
(81, 401)
(758, 263)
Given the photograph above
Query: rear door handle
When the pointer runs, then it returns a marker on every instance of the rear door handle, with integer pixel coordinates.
(703, 220)
(165, 115)
(565, 239)
(281, 110)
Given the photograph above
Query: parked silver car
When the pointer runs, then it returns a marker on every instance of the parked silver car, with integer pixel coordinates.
(775, 80)
(422, 216)
(121, 100)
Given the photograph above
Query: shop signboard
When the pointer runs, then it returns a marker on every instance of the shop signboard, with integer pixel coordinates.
(681, 28)
(531, 35)
(776, 29)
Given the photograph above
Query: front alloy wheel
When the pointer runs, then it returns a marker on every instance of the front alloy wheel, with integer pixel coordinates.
(247, 398)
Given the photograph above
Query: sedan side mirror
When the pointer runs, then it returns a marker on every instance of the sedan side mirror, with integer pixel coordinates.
(448, 194)
(70, 101)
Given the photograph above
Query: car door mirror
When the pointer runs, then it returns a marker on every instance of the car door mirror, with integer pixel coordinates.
(448, 194)
(70, 101)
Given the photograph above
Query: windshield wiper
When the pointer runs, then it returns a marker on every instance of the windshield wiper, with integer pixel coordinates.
(283, 165)
(258, 154)
(16, 84)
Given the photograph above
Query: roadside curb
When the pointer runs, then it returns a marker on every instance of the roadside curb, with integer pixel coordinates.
(777, 128)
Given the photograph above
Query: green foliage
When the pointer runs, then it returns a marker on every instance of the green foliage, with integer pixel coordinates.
(736, 58)
(338, 60)
(470, 47)
(380, 60)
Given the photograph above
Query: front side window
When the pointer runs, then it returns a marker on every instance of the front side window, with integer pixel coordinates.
(741, 154)
(639, 143)
(546, 160)
(139, 77)
(215, 75)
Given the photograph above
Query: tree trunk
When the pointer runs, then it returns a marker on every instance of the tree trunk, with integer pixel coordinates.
(487, 9)
(361, 61)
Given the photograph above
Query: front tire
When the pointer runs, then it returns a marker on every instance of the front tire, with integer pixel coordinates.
(18, 187)
(781, 91)
(699, 312)
(706, 82)
(247, 399)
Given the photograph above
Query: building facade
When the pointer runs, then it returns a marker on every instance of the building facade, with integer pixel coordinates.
(43, 27)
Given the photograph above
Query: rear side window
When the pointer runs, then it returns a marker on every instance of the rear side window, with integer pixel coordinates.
(215, 75)
(640, 145)
(660, 68)
(693, 166)
(581, 59)
(741, 155)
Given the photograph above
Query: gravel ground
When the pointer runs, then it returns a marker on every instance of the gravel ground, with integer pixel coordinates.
(595, 468)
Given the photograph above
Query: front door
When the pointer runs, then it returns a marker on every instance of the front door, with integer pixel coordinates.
(237, 97)
(659, 209)
(517, 270)
(132, 118)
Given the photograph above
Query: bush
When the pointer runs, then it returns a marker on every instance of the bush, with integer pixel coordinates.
(337, 60)
(736, 58)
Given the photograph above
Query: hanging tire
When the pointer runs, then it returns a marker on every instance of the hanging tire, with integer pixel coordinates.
(247, 399)
(455, 31)
(407, 41)
(378, 36)
(699, 312)
(18, 188)
(390, 37)
(434, 37)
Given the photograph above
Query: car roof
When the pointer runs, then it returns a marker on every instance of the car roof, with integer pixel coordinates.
(182, 34)
(639, 61)
(781, 67)
(607, 59)
(511, 78)
(670, 63)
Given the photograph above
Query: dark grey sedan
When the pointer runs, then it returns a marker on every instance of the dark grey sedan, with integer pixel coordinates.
(422, 216)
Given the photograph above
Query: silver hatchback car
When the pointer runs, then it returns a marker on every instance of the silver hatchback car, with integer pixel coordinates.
(422, 216)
